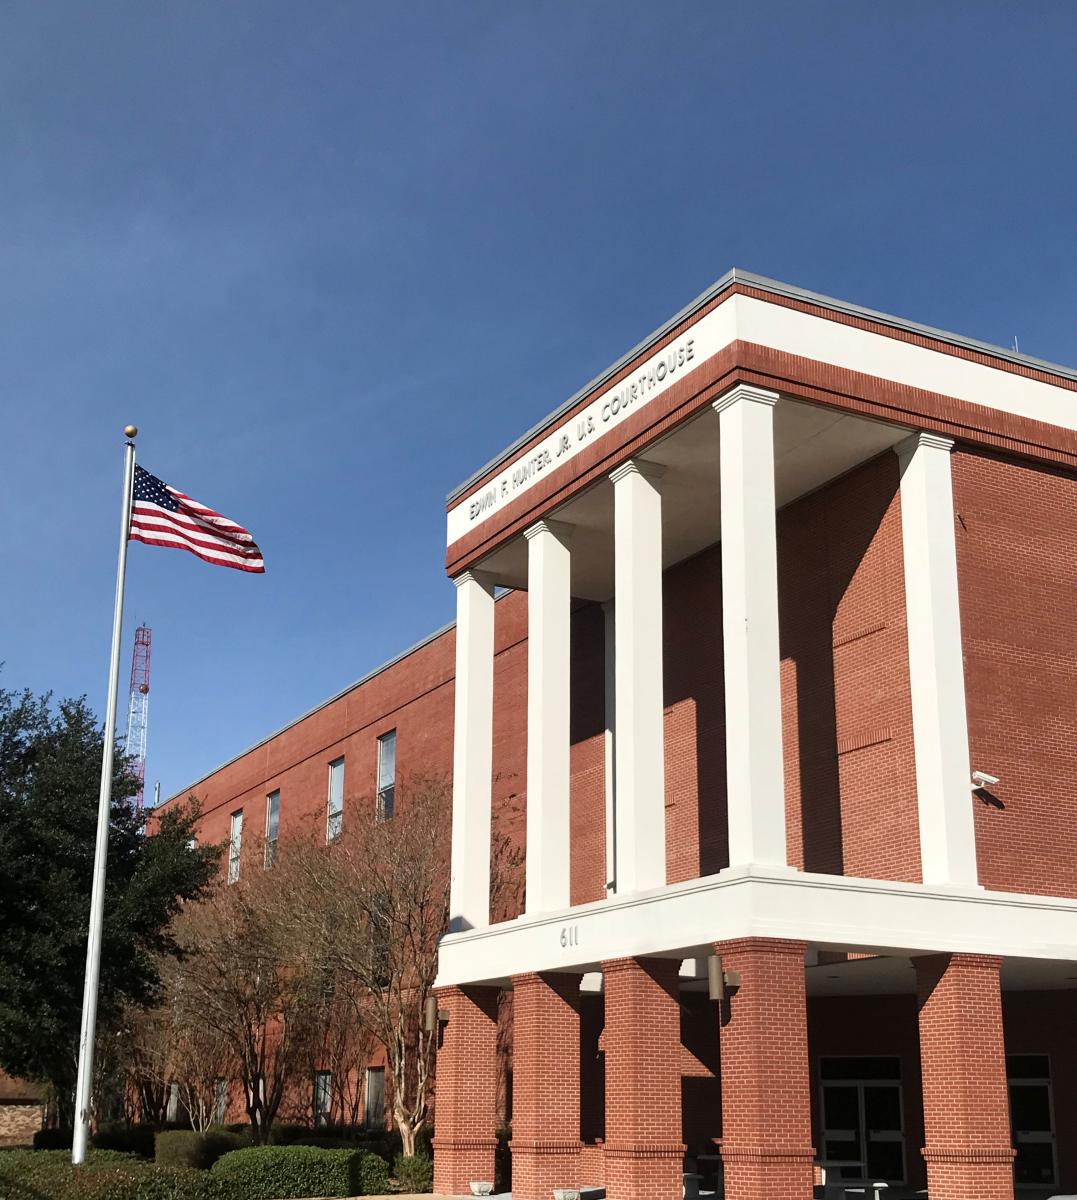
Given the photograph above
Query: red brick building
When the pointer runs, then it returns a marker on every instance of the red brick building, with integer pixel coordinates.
(782, 707)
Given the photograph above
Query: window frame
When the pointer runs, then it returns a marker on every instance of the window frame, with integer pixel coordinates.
(322, 1116)
(235, 845)
(272, 819)
(385, 792)
(331, 834)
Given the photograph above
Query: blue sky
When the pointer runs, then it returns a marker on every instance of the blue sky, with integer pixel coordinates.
(331, 257)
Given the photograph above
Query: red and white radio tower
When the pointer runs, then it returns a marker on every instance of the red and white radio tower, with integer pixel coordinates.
(138, 711)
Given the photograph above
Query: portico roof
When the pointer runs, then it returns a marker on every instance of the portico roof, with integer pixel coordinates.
(777, 288)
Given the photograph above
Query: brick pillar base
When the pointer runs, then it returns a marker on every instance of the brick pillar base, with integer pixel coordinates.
(766, 1093)
(969, 1152)
(545, 1085)
(466, 1117)
(644, 1153)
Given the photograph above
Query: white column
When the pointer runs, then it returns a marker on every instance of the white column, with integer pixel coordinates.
(473, 739)
(639, 746)
(548, 644)
(936, 665)
(753, 701)
(609, 658)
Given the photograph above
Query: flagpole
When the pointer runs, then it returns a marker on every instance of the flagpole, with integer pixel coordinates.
(84, 1084)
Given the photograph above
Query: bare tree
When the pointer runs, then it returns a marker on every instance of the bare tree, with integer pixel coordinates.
(251, 979)
(378, 897)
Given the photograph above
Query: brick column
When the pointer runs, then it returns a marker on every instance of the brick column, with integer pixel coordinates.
(766, 1092)
(644, 1151)
(466, 1114)
(545, 1084)
(969, 1151)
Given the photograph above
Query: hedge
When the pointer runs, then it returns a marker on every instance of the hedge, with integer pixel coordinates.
(133, 1139)
(40, 1175)
(198, 1151)
(285, 1172)
(414, 1173)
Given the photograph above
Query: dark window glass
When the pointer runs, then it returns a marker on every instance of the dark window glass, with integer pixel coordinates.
(860, 1068)
(1028, 1066)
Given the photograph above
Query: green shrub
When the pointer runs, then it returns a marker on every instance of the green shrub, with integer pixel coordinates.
(373, 1174)
(286, 1135)
(53, 1139)
(283, 1172)
(197, 1151)
(133, 1139)
(107, 1175)
(414, 1173)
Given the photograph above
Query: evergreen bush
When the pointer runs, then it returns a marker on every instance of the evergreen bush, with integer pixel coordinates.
(287, 1172)
(196, 1151)
(414, 1173)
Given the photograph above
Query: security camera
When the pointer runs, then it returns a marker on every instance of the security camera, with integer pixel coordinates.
(981, 779)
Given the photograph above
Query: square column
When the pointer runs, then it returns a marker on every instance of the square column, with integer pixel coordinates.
(936, 663)
(548, 698)
(753, 700)
(639, 743)
(473, 749)
(766, 1092)
(545, 1085)
(969, 1150)
(466, 1089)
(644, 1151)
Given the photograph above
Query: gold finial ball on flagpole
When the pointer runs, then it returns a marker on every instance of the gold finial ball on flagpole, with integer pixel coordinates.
(130, 431)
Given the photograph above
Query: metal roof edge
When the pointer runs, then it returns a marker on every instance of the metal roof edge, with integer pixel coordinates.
(777, 288)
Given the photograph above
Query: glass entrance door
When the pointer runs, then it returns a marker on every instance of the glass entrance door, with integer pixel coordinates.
(863, 1137)
(1032, 1118)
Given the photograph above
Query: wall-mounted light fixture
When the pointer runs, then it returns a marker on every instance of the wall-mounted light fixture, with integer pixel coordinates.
(434, 1016)
(720, 983)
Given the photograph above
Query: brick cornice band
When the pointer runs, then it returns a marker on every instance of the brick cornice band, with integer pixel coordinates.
(645, 1149)
(542, 1148)
(768, 946)
(463, 1143)
(969, 1155)
(757, 1154)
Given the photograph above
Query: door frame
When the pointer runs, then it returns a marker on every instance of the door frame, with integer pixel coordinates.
(1050, 1138)
(860, 1084)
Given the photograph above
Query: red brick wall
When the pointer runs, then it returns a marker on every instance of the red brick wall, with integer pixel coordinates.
(849, 768)
(967, 1144)
(1017, 558)
(847, 719)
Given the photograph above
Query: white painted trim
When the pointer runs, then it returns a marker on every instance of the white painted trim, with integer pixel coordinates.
(473, 740)
(641, 815)
(936, 663)
(549, 568)
(790, 331)
(755, 769)
(609, 630)
(683, 920)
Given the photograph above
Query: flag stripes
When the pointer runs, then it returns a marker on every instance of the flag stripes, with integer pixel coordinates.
(163, 516)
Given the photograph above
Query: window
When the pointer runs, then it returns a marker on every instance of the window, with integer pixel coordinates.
(220, 1101)
(323, 1097)
(386, 774)
(1032, 1119)
(235, 839)
(334, 821)
(272, 825)
(374, 1109)
(172, 1107)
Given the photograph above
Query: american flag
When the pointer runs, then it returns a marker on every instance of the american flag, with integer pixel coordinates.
(161, 516)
